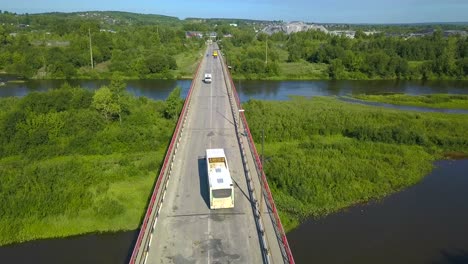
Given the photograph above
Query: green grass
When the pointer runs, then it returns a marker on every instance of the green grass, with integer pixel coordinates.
(337, 172)
(16, 81)
(283, 54)
(445, 101)
(128, 195)
(68, 169)
(303, 70)
(415, 64)
(323, 155)
(187, 63)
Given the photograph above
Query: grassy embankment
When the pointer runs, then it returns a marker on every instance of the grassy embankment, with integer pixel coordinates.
(301, 70)
(323, 155)
(186, 61)
(446, 101)
(68, 167)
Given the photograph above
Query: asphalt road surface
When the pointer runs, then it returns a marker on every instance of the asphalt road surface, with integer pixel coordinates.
(187, 230)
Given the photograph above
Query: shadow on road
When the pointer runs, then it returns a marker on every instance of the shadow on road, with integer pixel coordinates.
(203, 174)
(456, 256)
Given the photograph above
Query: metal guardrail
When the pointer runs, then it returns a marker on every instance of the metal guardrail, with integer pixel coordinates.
(259, 167)
(256, 206)
(140, 251)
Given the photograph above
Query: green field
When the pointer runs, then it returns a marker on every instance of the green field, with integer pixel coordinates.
(446, 101)
(187, 63)
(303, 70)
(323, 155)
(74, 161)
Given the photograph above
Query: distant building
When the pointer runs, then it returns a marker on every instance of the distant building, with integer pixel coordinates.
(293, 27)
(56, 43)
(233, 25)
(346, 33)
(448, 33)
(193, 34)
(108, 30)
(212, 34)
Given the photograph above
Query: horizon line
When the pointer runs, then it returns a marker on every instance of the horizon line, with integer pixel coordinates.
(226, 18)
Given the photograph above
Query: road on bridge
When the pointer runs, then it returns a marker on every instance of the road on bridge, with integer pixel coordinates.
(187, 231)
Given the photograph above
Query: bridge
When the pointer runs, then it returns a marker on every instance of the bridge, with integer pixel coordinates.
(179, 226)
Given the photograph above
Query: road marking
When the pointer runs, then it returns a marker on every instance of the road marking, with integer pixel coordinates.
(211, 102)
(210, 140)
(209, 237)
(207, 214)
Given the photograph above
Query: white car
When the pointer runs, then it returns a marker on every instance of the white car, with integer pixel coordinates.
(207, 78)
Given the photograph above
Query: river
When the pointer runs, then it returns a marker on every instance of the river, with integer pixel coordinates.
(262, 90)
(426, 223)
(89, 249)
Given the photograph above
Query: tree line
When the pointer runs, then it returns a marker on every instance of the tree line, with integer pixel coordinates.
(374, 56)
(59, 47)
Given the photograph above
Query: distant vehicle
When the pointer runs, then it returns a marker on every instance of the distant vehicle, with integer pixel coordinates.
(207, 78)
(215, 54)
(220, 187)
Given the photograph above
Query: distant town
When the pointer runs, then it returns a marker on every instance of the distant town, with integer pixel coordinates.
(109, 19)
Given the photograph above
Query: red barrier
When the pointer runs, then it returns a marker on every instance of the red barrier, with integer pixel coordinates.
(162, 171)
(264, 180)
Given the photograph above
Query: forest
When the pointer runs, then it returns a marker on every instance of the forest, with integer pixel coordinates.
(89, 158)
(318, 55)
(142, 46)
(323, 154)
(57, 46)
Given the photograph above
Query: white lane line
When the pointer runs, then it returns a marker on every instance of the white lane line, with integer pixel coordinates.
(211, 103)
(209, 236)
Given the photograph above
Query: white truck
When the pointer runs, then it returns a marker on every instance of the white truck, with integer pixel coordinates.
(220, 187)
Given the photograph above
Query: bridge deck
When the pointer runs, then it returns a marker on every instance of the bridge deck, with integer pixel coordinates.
(179, 227)
(187, 230)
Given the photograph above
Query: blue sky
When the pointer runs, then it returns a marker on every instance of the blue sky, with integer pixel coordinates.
(340, 11)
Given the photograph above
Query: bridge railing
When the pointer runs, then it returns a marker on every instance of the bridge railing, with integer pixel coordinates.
(258, 164)
(140, 251)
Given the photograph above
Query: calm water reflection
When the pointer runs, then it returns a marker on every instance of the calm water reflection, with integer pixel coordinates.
(155, 89)
(281, 90)
(426, 223)
(264, 90)
(98, 248)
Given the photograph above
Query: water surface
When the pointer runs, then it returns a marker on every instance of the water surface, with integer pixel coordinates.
(426, 223)
(405, 107)
(262, 90)
(154, 89)
(105, 248)
(281, 90)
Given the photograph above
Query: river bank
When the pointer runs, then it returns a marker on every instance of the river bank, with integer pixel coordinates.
(69, 166)
(425, 223)
(437, 101)
(341, 154)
